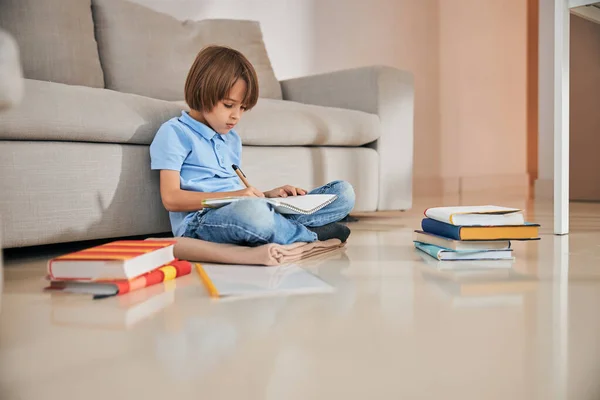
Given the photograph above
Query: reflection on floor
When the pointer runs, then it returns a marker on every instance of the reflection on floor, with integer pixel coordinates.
(396, 327)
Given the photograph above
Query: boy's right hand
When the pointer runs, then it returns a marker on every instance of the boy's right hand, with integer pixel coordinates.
(249, 192)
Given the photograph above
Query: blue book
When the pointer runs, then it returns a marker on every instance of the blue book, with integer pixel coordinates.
(442, 254)
(527, 231)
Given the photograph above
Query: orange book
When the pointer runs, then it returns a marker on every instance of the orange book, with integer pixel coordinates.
(102, 289)
(119, 260)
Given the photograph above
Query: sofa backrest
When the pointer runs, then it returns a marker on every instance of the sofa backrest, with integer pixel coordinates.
(11, 79)
(124, 46)
(56, 40)
(146, 52)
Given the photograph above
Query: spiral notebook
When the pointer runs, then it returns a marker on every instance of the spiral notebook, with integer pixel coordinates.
(307, 204)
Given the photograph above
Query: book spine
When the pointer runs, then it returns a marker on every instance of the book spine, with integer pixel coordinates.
(440, 228)
(173, 270)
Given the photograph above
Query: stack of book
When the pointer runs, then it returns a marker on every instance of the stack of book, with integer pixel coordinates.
(472, 232)
(116, 268)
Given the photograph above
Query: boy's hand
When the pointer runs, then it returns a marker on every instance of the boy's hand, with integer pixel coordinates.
(285, 191)
(249, 192)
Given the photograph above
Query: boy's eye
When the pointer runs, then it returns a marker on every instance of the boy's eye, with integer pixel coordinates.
(244, 108)
(228, 105)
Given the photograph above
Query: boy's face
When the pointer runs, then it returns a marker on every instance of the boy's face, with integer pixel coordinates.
(228, 111)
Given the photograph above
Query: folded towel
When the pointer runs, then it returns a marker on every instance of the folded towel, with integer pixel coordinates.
(267, 254)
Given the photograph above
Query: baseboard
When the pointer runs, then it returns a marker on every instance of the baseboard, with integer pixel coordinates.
(544, 189)
(509, 185)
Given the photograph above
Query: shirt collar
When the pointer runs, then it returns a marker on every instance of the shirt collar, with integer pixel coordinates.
(203, 130)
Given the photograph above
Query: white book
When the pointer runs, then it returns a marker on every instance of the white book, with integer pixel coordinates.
(306, 204)
(252, 281)
(477, 215)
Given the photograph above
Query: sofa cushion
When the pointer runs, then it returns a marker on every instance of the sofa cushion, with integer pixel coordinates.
(310, 167)
(149, 53)
(286, 123)
(82, 114)
(78, 113)
(56, 40)
(11, 79)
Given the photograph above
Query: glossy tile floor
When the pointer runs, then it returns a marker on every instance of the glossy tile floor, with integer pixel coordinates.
(396, 327)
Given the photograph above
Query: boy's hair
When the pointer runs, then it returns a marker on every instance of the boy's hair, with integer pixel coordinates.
(213, 74)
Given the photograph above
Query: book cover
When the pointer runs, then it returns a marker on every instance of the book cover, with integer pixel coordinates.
(528, 231)
(442, 254)
(122, 259)
(102, 289)
(476, 215)
(460, 245)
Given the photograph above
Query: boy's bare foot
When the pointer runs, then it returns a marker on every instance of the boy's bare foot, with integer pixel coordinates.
(331, 231)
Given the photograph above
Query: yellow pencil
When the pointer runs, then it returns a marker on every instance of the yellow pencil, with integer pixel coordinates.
(212, 290)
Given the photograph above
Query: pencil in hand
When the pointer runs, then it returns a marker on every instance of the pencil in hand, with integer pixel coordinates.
(239, 173)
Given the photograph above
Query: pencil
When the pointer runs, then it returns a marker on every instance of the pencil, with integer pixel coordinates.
(212, 290)
(239, 173)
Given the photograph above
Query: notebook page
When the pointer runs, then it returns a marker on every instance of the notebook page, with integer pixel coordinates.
(306, 202)
(245, 280)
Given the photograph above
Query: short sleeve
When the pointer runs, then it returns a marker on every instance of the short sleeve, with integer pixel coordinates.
(169, 148)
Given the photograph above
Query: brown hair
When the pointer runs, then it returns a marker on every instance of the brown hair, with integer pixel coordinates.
(213, 74)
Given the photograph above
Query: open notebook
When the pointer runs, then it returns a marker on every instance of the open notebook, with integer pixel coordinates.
(235, 281)
(307, 204)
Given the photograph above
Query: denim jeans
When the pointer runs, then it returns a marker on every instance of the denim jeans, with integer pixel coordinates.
(254, 222)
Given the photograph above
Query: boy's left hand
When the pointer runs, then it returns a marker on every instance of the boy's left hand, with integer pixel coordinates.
(285, 191)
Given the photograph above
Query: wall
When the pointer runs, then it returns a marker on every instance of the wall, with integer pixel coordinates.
(584, 104)
(402, 34)
(468, 58)
(483, 94)
(305, 37)
(286, 25)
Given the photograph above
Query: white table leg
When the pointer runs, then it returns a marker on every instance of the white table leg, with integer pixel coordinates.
(561, 116)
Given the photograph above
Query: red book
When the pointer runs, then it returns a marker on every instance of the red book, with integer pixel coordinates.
(107, 288)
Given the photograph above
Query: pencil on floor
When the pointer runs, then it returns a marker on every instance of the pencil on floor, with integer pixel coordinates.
(212, 290)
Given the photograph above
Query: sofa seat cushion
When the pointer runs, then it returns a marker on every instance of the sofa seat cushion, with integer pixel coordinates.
(58, 112)
(286, 123)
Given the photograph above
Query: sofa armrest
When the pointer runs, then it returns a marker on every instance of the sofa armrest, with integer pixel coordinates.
(11, 77)
(385, 91)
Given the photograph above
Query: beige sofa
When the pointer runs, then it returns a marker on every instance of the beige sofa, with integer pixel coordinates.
(102, 75)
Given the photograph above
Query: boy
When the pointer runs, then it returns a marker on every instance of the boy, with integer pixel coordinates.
(195, 153)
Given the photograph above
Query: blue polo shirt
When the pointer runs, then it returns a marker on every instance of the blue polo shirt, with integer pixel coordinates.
(202, 156)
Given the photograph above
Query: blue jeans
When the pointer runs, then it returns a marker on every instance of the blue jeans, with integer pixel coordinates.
(254, 222)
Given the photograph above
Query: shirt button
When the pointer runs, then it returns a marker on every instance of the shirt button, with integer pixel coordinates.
(222, 161)
(218, 146)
